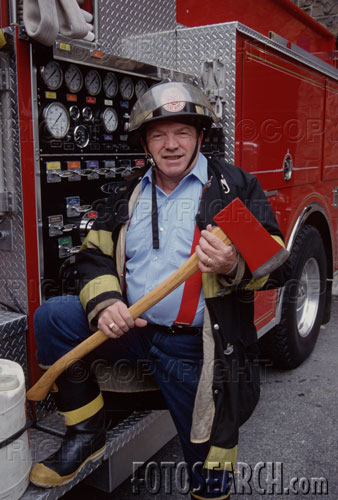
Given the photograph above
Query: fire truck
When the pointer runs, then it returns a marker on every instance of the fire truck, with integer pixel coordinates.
(271, 74)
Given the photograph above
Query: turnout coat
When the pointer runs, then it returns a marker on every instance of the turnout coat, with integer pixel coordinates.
(229, 386)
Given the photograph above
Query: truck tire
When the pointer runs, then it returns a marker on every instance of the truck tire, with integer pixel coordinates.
(289, 343)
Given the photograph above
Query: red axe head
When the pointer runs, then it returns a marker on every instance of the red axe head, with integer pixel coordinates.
(260, 250)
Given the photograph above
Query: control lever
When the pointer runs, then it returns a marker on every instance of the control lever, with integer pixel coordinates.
(106, 170)
(75, 250)
(85, 172)
(82, 208)
(68, 227)
(66, 173)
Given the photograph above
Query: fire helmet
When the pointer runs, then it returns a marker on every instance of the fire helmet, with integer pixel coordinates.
(176, 101)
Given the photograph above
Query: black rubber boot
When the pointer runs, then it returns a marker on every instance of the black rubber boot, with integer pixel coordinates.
(79, 399)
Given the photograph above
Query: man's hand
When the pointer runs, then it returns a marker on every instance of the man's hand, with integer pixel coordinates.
(116, 320)
(214, 255)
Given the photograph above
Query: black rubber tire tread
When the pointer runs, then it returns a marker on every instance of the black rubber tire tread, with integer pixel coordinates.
(283, 345)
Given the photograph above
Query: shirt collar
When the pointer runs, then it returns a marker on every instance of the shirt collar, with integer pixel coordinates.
(200, 171)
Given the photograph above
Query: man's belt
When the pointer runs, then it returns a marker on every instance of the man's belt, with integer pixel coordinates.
(177, 329)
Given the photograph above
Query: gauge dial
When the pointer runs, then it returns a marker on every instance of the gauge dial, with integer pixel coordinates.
(127, 88)
(81, 136)
(74, 112)
(73, 78)
(140, 88)
(93, 82)
(57, 119)
(110, 119)
(87, 114)
(52, 75)
(110, 85)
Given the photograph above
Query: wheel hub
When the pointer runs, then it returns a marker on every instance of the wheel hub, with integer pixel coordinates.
(308, 297)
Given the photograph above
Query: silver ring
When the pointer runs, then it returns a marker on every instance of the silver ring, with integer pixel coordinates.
(111, 326)
(208, 261)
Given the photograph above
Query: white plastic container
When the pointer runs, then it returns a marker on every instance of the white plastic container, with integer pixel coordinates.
(15, 457)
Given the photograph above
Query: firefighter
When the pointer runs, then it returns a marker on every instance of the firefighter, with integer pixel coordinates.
(200, 341)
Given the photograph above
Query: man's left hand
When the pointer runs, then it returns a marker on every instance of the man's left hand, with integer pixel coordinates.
(214, 255)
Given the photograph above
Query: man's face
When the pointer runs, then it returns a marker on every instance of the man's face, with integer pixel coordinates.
(172, 144)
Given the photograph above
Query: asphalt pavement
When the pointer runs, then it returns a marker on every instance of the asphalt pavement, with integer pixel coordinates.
(287, 449)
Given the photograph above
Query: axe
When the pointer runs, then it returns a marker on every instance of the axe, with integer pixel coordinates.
(259, 249)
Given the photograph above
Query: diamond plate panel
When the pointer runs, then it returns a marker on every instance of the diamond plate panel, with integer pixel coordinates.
(159, 48)
(186, 50)
(11, 324)
(133, 17)
(44, 408)
(14, 348)
(13, 291)
(13, 338)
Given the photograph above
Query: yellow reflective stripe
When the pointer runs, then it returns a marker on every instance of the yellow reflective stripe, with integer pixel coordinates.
(101, 284)
(225, 458)
(99, 239)
(257, 284)
(211, 285)
(80, 414)
(223, 497)
(279, 240)
(2, 39)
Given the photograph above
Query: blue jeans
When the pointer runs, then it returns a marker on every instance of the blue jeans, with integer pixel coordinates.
(175, 361)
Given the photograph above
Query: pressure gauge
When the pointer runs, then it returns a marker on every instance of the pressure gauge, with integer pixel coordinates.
(140, 88)
(93, 82)
(74, 112)
(87, 114)
(127, 88)
(73, 79)
(57, 119)
(81, 136)
(52, 75)
(110, 85)
(110, 119)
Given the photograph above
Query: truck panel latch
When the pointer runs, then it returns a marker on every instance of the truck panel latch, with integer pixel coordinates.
(4, 79)
(213, 81)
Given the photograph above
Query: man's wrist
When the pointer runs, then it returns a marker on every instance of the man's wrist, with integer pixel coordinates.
(234, 275)
(232, 272)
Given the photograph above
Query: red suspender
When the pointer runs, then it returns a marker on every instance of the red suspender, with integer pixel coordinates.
(191, 291)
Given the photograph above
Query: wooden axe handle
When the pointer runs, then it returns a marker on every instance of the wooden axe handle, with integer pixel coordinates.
(40, 390)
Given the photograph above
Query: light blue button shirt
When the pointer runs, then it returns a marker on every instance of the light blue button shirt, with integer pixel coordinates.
(145, 267)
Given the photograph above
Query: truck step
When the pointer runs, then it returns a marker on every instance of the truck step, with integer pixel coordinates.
(135, 439)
